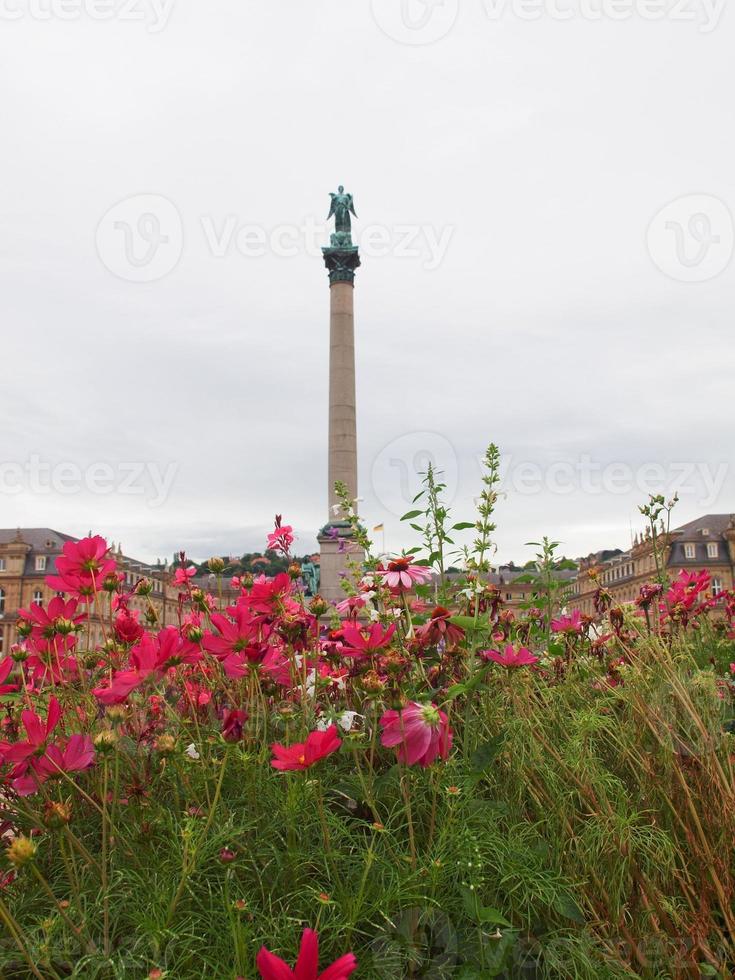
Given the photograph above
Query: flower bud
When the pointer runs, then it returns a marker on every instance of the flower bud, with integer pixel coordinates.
(116, 714)
(372, 683)
(105, 741)
(56, 815)
(165, 744)
(21, 851)
(216, 565)
(318, 606)
(144, 587)
(18, 653)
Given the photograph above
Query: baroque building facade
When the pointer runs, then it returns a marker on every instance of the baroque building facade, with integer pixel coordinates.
(28, 555)
(707, 543)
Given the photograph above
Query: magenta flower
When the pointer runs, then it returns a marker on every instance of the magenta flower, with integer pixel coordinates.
(402, 575)
(361, 643)
(571, 625)
(183, 575)
(281, 538)
(272, 967)
(418, 732)
(303, 755)
(522, 657)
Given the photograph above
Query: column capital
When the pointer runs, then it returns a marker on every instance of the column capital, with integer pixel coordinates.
(341, 262)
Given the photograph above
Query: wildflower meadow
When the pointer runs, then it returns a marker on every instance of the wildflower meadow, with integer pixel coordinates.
(417, 782)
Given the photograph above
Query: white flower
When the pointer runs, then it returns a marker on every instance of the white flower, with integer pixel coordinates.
(374, 615)
(345, 721)
(191, 751)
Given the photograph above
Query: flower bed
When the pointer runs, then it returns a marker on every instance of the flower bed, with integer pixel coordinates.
(427, 785)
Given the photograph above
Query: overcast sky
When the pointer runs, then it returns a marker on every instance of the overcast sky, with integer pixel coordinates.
(546, 194)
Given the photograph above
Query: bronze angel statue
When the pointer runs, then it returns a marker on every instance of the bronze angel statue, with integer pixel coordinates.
(342, 206)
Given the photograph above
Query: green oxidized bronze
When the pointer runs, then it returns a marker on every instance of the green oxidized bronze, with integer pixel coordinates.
(341, 257)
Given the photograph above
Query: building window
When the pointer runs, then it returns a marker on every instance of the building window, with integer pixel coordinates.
(713, 550)
(2, 601)
(690, 551)
(716, 586)
(37, 597)
(2, 564)
(40, 563)
(705, 532)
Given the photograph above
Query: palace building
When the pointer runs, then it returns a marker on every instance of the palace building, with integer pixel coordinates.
(707, 543)
(28, 555)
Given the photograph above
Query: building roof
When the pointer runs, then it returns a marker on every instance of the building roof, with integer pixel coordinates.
(716, 524)
(46, 541)
(39, 538)
(694, 538)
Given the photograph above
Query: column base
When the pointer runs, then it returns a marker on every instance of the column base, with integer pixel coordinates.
(334, 540)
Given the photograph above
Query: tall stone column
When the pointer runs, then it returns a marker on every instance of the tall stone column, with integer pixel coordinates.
(341, 260)
(342, 408)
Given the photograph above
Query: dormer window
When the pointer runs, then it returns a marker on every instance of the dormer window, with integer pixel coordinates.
(713, 550)
(40, 563)
(705, 532)
(690, 551)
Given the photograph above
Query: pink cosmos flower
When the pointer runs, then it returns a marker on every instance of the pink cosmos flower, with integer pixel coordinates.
(303, 755)
(272, 967)
(126, 626)
(233, 722)
(266, 594)
(38, 732)
(60, 617)
(439, 628)
(571, 625)
(86, 558)
(143, 660)
(6, 667)
(182, 576)
(361, 643)
(418, 732)
(402, 575)
(511, 657)
(351, 605)
(35, 760)
(281, 539)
